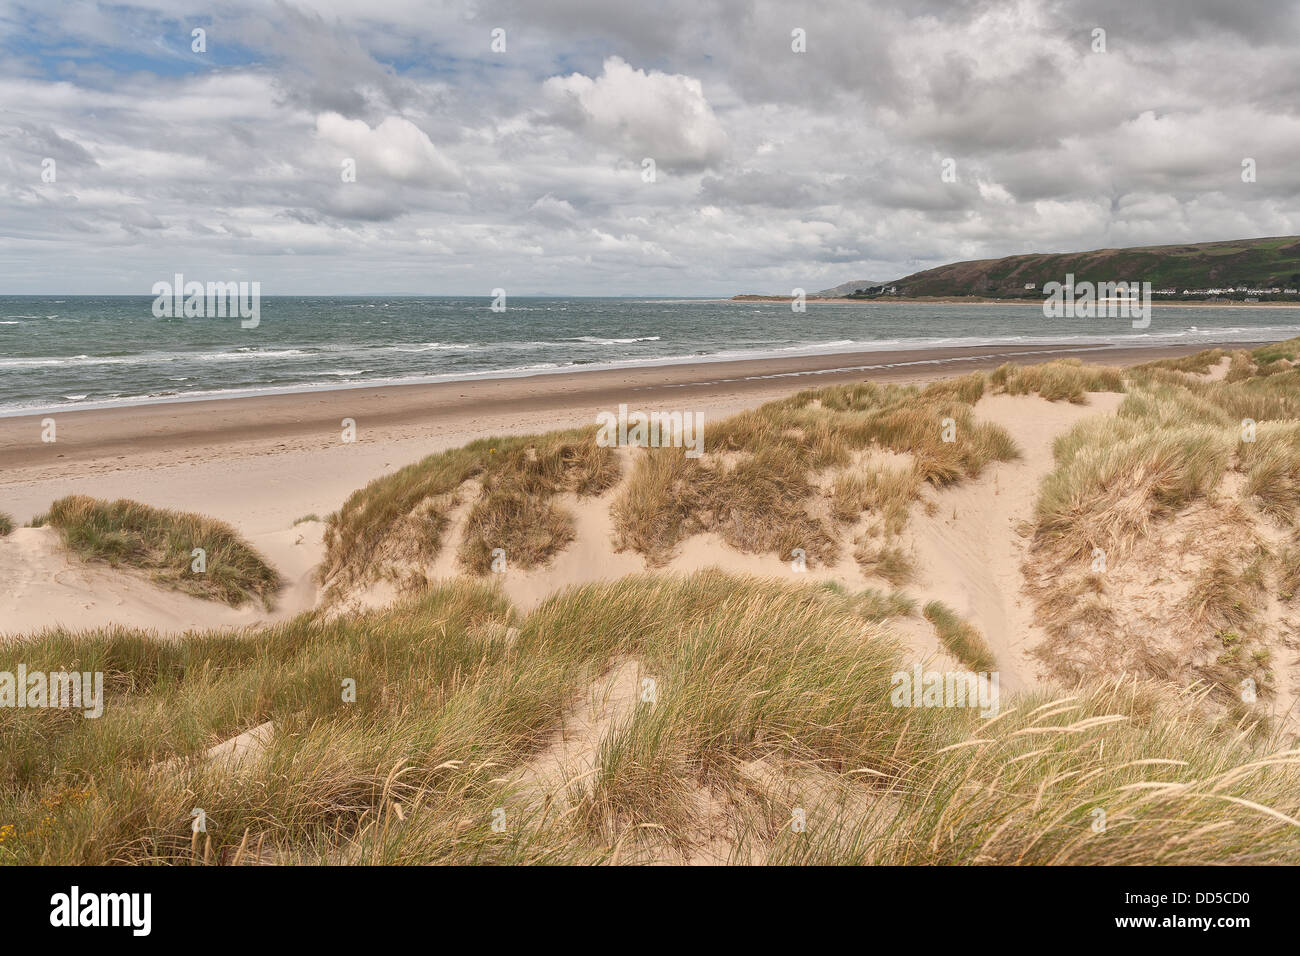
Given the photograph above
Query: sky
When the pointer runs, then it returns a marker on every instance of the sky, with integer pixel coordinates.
(675, 147)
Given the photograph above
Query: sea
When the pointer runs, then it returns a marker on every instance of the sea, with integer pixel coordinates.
(71, 352)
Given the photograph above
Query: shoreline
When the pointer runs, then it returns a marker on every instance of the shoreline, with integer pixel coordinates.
(167, 432)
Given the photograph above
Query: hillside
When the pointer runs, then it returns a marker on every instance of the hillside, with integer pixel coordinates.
(848, 288)
(1254, 263)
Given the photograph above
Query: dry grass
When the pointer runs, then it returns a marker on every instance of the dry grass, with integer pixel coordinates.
(6, 523)
(889, 562)
(1225, 595)
(1174, 443)
(1114, 477)
(401, 519)
(757, 486)
(1060, 380)
(161, 542)
(529, 528)
(1288, 570)
(1198, 363)
(1272, 466)
(887, 492)
(1240, 367)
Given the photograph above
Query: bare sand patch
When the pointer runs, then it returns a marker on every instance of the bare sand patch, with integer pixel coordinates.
(967, 538)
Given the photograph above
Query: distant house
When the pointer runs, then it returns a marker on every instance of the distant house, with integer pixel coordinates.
(1031, 285)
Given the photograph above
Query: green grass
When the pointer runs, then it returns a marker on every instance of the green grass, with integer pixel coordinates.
(961, 640)
(770, 697)
(161, 542)
(6, 523)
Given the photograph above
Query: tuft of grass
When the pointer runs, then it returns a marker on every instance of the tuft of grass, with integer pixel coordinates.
(876, 605)
(1198, 363)
(530, 528)
(885, 561)
(1288, 571)
(757, 504)
(305, 518)
(400, 519)
(6, 524)
(1272, 466)
(962, 640)
(161, 542)
(888, 492)
(1224, 596)
(1113, 477)
(1060, 380)
(1241, 367)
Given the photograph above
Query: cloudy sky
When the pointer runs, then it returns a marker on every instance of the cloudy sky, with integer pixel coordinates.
(525, 168)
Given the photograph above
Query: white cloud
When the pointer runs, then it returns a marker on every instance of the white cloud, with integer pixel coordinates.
(396, 149)
(658, 115)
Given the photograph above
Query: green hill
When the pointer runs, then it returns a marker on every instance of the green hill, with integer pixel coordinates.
(1251, 263)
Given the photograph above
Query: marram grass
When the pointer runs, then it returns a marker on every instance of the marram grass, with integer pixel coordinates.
(767, 699)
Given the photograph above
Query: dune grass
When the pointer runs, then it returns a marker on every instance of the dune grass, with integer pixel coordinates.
(1225, 595)
(1060, 380)
(769, 698)
(1198, 363)
(1174, 442)
(1288, 570)
(962, 640)
(888, 492)
(6, 523)
(890, 562)
(402, 518)
(757, 483)
(162, 543)
(1240, 367)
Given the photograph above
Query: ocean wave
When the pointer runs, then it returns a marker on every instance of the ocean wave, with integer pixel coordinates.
(594, 340)
(439, 347)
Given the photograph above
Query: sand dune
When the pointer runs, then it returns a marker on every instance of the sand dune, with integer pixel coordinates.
(967, 541)
(44, 586)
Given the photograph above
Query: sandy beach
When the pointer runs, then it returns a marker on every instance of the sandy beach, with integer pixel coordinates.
(233, 455)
